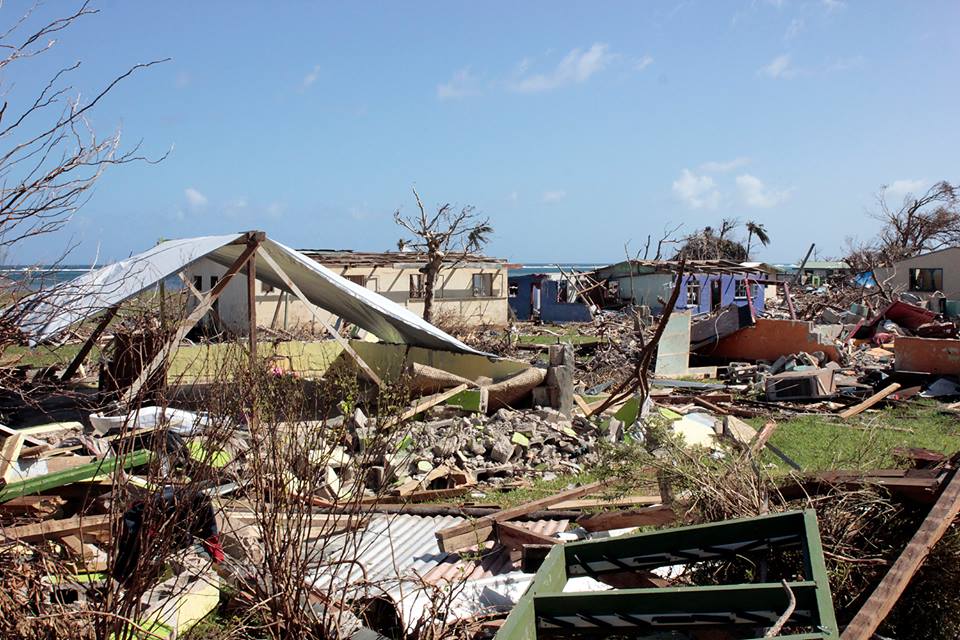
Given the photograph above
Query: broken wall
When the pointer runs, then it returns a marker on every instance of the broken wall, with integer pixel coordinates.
(769, 339)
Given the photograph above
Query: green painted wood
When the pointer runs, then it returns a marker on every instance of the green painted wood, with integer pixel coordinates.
(468, 400)
(550, 579)
(69, 476)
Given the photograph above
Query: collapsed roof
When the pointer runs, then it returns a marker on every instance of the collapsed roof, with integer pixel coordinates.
(46, 314)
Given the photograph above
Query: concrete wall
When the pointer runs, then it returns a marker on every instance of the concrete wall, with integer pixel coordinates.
(453, 297)
(946, 259)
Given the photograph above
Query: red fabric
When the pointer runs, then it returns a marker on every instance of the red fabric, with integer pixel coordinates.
(214, 548)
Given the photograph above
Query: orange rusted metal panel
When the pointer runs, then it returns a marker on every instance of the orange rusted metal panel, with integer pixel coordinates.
(927, 355)
(769, 339)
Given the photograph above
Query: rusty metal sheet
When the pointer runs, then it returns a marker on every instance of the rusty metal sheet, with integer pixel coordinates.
(927, 355)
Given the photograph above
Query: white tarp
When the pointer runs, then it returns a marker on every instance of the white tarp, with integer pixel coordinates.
(47, 314)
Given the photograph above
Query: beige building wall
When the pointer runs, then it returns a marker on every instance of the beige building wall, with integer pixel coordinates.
(916, 275)
(454, 302)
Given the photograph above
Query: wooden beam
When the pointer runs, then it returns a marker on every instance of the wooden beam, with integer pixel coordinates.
(657, 515)
(589, 503)
(59, 528)
(252, 306)
(343, 342)
(477, 531)
(869, 402)
(427, 402)
(188, 323)
(514, 536)
(9, 453)
(885, 596)
(88, 345)
(758, 443)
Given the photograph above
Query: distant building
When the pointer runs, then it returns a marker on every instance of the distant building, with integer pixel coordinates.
(708, 285)
(472, 292)
(817, 272)
(933, 276)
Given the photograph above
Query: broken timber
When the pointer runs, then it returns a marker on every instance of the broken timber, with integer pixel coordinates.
(470, 534)
(881, 601)
(869, 402)
(59, 528)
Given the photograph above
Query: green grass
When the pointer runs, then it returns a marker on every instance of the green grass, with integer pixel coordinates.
(539, 489)
(822, 442)
(550, 339)
(44, 356)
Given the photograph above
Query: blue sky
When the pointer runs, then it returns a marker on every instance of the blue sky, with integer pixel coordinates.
(576, 127)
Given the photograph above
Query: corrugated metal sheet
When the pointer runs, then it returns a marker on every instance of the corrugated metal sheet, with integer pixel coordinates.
(397, 547)
(493, 562)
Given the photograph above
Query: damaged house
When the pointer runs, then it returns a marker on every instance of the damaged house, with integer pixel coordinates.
(471, 291)
(711, 285)
(930, 276)
(537, 296)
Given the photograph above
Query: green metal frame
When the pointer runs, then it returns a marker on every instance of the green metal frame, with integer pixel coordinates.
(545, 611)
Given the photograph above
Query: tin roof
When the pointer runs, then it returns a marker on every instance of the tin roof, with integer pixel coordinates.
(348, 258)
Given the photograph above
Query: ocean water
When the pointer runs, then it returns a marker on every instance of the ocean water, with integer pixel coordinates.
(47, 276)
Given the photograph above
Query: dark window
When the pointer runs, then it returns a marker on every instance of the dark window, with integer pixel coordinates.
(416, 285)
(563, 292)
(740, 290)
(482, 285)
(198, 283)
(926, 279)
(360, 280)
(693, 292)
(513, 290)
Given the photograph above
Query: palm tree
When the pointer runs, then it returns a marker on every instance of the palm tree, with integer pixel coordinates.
(758, 230)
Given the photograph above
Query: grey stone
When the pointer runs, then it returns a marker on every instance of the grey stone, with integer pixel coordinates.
(502, 450)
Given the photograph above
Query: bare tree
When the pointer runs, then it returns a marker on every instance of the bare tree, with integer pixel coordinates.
(50, 158)
(918, 225)
(449, 235)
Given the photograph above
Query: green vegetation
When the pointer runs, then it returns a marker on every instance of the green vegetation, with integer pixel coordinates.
(821, 442)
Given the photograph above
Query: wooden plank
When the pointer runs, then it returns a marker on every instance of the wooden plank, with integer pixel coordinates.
(6, 431)
(343, 342)
(869, 402)
(758, 443)
(9, 453)
(82, 525)
(588, 503)
(427, 402)
(885, 596)
(32, 505)
(469, 534)
(584, 407)
(514, 536)
(706, 404)
(657, 515)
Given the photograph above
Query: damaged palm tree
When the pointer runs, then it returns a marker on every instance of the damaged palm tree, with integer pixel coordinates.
(448, 236)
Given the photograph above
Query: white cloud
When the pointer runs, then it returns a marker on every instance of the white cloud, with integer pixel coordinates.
(715, 166)
(698, 192)
(900, 188)
(757, 194)
(779, 67)
(554, 196)
(643, 63)
(195, 199)
(462, 84)
(576, 67)
(310, 78)
(794, 28)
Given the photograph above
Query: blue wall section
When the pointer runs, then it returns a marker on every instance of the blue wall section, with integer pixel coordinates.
(550, 309)
(728, 287)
